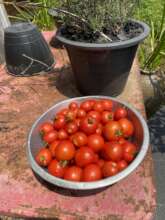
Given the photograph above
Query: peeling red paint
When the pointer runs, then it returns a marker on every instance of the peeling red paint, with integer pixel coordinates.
(22, 100)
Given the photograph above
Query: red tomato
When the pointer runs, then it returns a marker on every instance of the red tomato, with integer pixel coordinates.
(112, 131)
(62, 134)
(81, 113)
(79, 139)
(46, 127)
(101, 162)
(122, 140)
(107, 104)
(73, 173)
(127, 127)
(122, 164)
(98, 106)
(130, 151)
(84, 156)
(86, 105)
(70, 116)
(96, 159)
(99, 129)
(63, 111)
(71, 127)
(113, 151)
(59, 122)
(92, 172)
(95, 114)
(88, 125)
(43, 157)
(96, 142)
(50, 136)
(92, 102)
(106, 117)
(120, 112)
(56, 168)
(53, 146)
(65, 150)
(73, 105)
(78, 122)
(110, 169)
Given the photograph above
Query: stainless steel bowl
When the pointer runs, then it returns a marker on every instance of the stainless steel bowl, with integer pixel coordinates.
(35, 143)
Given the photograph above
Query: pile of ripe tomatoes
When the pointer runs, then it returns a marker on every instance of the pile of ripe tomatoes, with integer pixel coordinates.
(87, 141)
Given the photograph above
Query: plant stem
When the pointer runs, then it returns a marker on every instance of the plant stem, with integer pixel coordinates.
(105, 36)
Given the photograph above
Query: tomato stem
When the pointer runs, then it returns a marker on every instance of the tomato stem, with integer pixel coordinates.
(64, 163)
(42, 158)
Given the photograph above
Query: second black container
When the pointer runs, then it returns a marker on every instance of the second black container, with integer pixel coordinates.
(26, 51)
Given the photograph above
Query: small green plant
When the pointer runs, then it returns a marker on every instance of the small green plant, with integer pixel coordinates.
(98, 16)
(100, 13)
(152, 52)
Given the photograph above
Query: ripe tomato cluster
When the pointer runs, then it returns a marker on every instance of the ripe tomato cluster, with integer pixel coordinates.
(87, 141)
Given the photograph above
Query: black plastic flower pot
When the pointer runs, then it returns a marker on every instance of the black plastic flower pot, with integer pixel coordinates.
(102, 69)
(26, 51)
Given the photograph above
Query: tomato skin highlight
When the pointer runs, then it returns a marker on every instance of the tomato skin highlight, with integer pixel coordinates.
(86, 106)
(113, 151)
(73, 105)
(71, 127)
(107, 104)
(92, 172)
(84, 156)
(96, 142)
(94, 114)
(98, 107)
(50, 136)
(81, 113)
(62, 112)
(43, 157)
(65, 150)
(56, 169)
(88, 125)
(120, 112)
(62, 134)
(59, 122)
(130, 151)
(107, 116)
(46, 127)
(79, 139)
(122, 164)
(110, 169)
(73, 173)
(127, 127)
(112, 131)
(53, 146)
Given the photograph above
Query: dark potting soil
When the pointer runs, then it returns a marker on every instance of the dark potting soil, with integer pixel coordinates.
(116, 34)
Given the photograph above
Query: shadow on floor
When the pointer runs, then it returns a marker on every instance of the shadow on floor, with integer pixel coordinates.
(64, 81)
(157, 134)
(69, 192)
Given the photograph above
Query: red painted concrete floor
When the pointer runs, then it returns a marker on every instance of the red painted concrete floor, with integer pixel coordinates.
(22, 100)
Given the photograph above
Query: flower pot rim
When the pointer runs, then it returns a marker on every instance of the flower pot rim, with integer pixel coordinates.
(112, 45)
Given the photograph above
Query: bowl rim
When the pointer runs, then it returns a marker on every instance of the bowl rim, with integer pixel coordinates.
(100, 183)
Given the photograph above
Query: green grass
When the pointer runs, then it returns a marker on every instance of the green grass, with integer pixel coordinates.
(152, 51)
(37, 15)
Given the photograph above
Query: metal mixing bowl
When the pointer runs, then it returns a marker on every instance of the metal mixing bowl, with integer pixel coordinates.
(141, 135)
